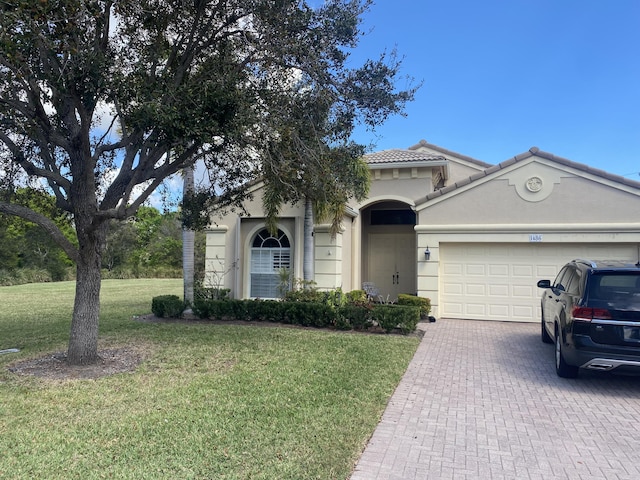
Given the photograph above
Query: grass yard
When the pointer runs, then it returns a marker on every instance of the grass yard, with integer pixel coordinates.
(209, 401)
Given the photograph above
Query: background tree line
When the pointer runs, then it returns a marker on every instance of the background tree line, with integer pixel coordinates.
(146, 245)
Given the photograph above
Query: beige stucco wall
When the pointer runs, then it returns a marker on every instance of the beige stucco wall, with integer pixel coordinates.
(459, 171)
(346, 264)
(405, 185)
(459, 167)
(562, 198)
(227, 257)
(229, 241)
(236, 243)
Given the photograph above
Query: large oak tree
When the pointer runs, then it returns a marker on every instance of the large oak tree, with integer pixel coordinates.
(102, 100)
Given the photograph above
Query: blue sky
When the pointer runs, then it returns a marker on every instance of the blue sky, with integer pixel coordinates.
(502, 76)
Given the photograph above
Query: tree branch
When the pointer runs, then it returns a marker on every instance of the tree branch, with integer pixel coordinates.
(29, 167)
(47, 224)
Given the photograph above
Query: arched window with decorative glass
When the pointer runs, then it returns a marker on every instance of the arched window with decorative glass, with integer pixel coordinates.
(269, 254)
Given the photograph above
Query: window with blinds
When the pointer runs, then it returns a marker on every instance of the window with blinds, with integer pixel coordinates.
(269, 254)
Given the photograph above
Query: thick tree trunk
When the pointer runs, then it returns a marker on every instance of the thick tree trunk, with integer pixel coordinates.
(308, 273)
(83, 340)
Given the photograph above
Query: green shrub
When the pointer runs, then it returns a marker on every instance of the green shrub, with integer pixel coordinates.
(124, 273)
(202, 308)
(220, 309)
(167, 306)
(423, 303)
(238, 309)
(264, 310)
(227, 309)
(389, 317)
(308, 295)
(342, 323)
(334, 298)
(354, 316)
(309, 314)
(210, 293)
(356, 296)
(25, 275)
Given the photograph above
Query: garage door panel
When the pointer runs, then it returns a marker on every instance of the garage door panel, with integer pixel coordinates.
(452, 309)
(453, 288)
(477, 289)
(498, 281)
(498, 311)
(452, 268)
(498, 270)
(523, 271)
(501, 290)
(523, 291)
(476, 309)
(546, 271)
(523, 313)
(476, 270)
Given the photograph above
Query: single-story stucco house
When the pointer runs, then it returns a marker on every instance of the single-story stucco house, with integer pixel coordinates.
(471, 236)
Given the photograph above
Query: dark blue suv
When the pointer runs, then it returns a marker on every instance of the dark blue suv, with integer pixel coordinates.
(591, 312)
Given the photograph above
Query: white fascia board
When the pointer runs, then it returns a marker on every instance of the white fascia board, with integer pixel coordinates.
(591, 176)
(531, 227)
(386, 165)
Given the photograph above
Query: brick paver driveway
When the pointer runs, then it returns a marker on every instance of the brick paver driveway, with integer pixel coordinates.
(481, 400)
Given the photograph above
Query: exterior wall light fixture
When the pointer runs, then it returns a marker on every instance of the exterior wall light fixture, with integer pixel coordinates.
(427, 254)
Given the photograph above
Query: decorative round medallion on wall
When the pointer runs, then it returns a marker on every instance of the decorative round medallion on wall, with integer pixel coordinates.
(534, 184)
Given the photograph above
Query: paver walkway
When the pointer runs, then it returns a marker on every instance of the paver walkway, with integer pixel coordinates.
(481, 400)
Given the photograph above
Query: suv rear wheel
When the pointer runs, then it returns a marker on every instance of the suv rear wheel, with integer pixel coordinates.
(563, 369)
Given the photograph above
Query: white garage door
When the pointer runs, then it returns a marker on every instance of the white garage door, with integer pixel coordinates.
(490, 281)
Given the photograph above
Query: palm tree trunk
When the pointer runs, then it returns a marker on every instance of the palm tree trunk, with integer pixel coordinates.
(308, 273)
(188, 241)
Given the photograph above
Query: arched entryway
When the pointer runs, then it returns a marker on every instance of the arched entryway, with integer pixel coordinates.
(389, 248)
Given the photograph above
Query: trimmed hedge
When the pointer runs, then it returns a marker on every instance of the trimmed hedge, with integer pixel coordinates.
(354, 316)
(312, 314)
(404, 317)
(423, 303)
(167, 306)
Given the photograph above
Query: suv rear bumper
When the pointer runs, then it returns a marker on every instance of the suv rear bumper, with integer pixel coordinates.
(583, 352)
(606, 364)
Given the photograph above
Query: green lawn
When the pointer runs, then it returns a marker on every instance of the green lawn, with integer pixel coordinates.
(209, 401)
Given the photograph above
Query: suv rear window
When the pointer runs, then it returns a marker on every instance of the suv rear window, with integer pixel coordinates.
(620, 290)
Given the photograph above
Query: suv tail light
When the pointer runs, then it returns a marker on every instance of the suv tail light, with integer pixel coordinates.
(589, 313)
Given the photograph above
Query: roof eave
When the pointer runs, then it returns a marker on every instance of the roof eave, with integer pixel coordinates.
(428, 163)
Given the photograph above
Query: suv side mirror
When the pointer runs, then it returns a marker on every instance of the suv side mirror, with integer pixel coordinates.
(544, 283)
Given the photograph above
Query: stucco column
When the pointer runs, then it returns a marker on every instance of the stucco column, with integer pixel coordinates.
(215, 266)
(428, 284)
(327, 258)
